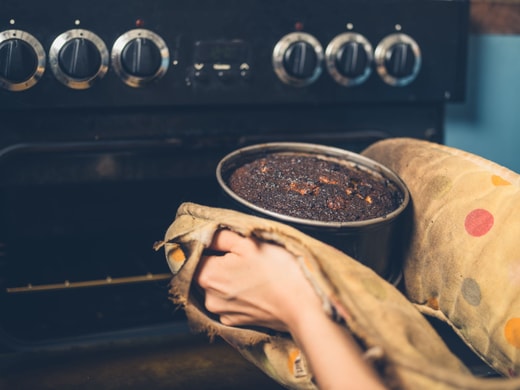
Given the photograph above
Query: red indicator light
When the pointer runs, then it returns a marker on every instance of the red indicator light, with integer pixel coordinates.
(139, 23)
(298, 26)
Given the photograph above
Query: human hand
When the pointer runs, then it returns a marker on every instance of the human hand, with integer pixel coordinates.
(258, 283)
(254, 283)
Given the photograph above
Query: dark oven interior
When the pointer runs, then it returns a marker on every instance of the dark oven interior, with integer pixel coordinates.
(111, 116)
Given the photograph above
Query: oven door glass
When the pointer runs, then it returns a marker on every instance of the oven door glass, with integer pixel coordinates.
(77, 230)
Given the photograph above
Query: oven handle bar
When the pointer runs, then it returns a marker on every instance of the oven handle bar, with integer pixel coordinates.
(89, 146)
(108, 281)
(361, 136)
(367, 136)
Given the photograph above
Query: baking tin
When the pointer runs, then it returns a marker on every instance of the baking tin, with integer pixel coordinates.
(378, 242)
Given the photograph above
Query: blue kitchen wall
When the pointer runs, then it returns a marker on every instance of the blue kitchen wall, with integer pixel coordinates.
(488, 122)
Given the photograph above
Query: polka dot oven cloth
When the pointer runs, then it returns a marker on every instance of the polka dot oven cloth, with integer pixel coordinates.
(463, 263)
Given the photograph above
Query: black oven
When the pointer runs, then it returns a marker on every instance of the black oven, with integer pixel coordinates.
(113, 113)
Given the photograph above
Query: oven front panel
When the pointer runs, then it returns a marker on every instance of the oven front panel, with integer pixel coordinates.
(113, 113)
(79, 218)
(171, 53)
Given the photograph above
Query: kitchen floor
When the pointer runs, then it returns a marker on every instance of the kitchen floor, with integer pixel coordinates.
(185, 362)
(181, 365)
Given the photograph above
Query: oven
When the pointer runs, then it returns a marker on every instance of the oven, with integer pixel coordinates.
(113, 113)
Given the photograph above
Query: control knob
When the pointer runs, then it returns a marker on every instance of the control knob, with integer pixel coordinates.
(297, 59)
(139, 57)
(398, 59)
(349, 59)
(78, 58)
(22, 60)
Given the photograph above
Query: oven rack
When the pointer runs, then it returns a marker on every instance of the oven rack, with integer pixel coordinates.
(66, 285)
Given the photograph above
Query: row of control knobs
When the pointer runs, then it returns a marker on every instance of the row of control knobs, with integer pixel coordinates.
(349, 59)
(79, 57)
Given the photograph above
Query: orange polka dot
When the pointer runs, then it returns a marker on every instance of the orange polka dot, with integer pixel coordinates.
(433, 302)
(478, 222)
(295, 364)
(177, 255)
(512, 332)
(498, 181)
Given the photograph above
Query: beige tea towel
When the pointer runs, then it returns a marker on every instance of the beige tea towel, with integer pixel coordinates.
(398, 340)
(463, 263)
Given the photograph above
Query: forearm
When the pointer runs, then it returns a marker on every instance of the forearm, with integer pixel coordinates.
(257, 283)
(334, 356)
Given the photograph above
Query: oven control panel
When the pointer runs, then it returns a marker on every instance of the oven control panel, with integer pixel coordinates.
(164, 53)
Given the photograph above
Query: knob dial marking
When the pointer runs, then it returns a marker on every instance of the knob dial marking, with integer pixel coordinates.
(139, 57)
(349, 59)
(22, 60)
(398, 59)
(297, 59)
(78, 58)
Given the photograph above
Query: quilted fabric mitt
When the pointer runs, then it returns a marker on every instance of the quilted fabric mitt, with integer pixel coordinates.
(398, 340)
(463, 265)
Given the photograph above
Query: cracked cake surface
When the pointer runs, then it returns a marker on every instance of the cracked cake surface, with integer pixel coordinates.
(309, 187)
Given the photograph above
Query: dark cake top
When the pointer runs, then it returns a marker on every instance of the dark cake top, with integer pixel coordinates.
(308, 187)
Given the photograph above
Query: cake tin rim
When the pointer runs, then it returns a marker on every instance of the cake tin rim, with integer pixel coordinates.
(323, 150)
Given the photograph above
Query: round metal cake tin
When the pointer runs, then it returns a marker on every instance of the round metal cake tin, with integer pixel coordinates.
(378, 242)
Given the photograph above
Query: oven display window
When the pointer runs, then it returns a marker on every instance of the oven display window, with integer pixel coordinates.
(221, 52)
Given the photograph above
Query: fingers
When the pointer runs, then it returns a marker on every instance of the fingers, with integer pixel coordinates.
(200, 277)
(209, 268)
(238, 315)
(210, 272)
(219, 273)
(228, 241)
(229, 312)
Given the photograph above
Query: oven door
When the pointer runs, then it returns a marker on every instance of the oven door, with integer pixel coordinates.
(78, 221)
(83, 295)
(77, 227)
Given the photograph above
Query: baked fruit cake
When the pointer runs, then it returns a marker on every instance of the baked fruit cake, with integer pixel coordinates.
(315, 188)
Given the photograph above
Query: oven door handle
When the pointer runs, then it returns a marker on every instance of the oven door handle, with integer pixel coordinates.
(90, 146)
